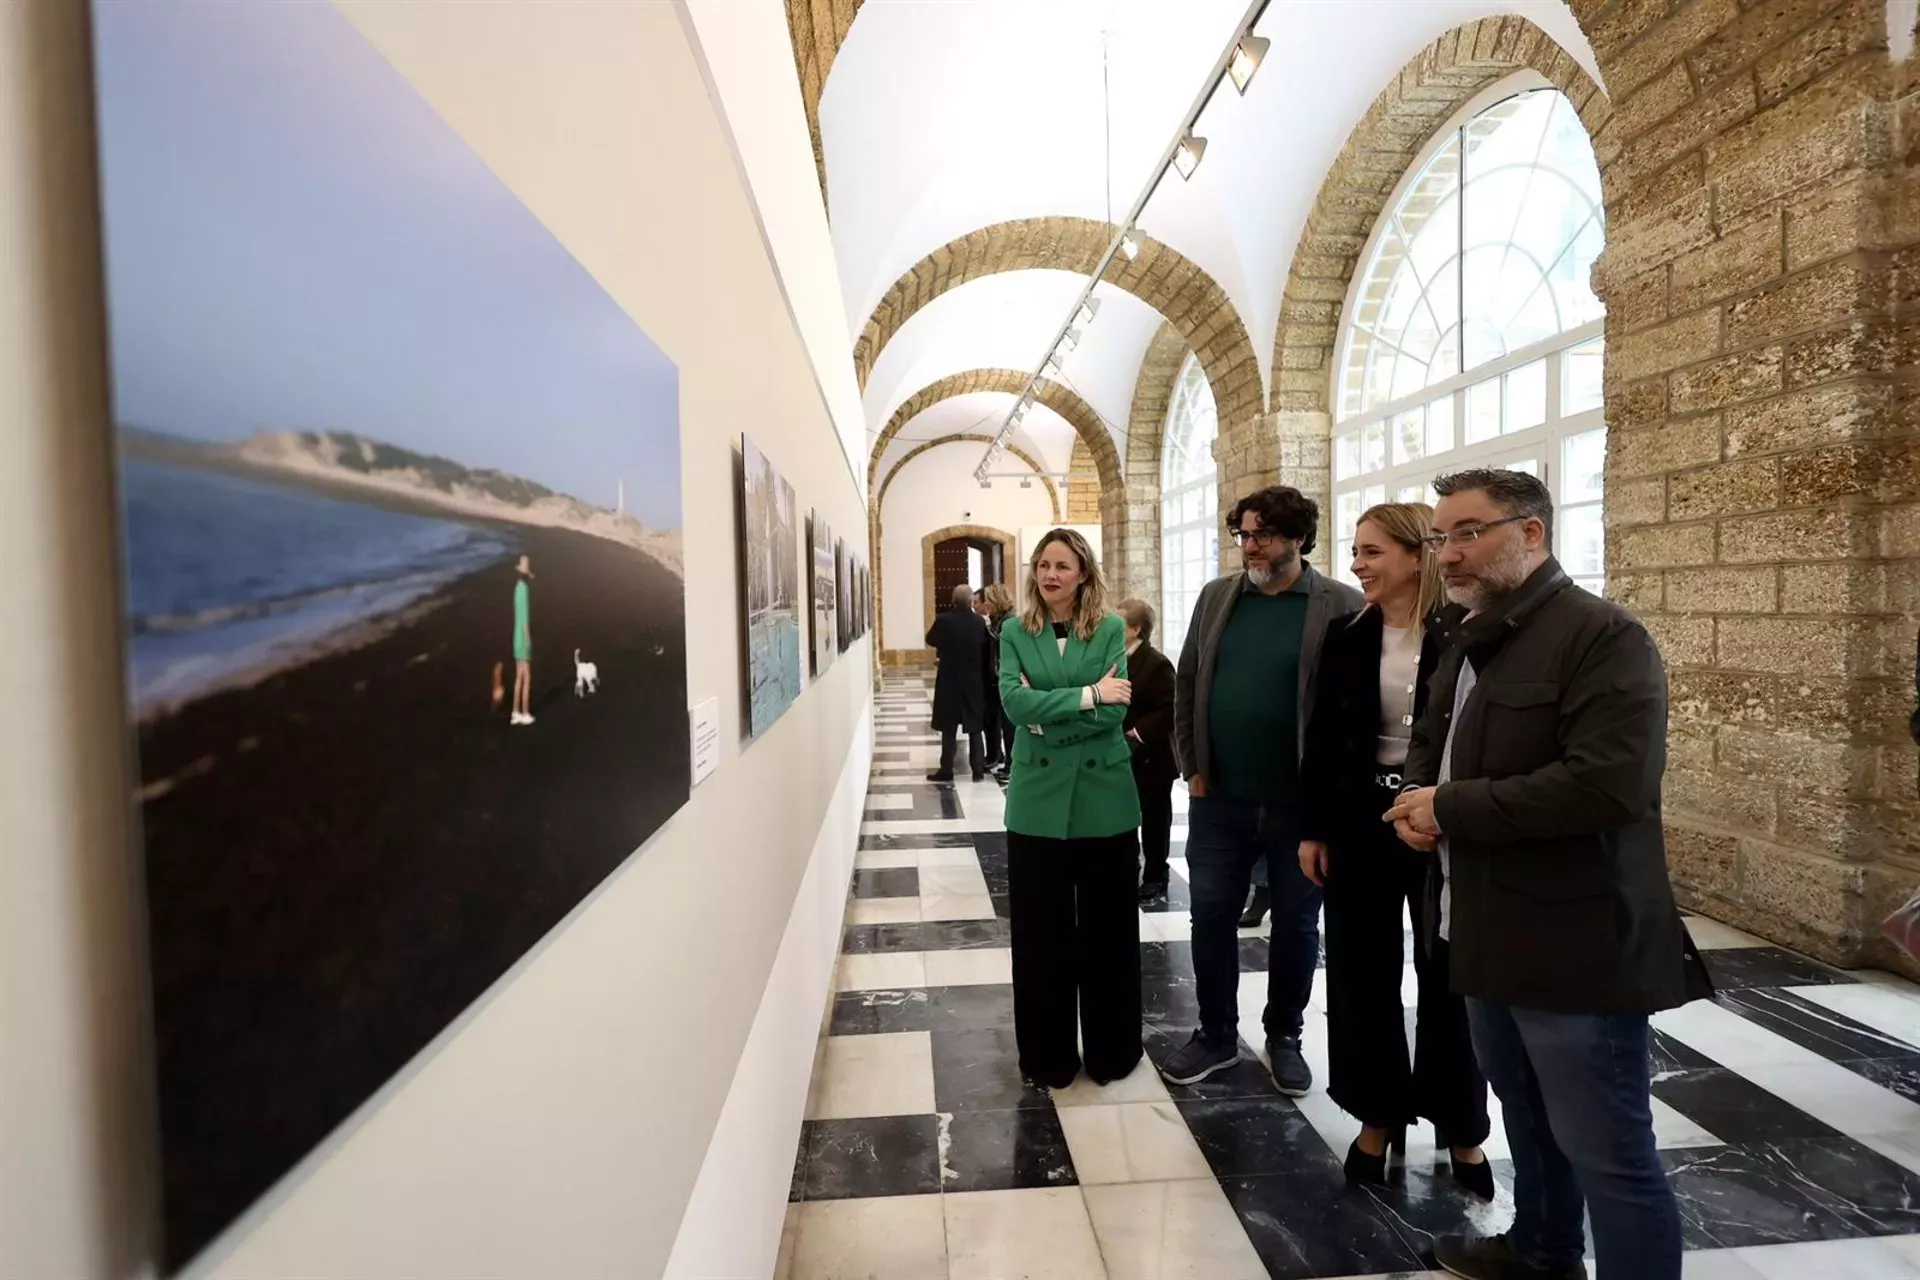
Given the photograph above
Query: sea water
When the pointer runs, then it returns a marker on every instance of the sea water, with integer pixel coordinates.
(228, 574)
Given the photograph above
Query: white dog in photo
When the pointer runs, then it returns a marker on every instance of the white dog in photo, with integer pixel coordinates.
(586, 676)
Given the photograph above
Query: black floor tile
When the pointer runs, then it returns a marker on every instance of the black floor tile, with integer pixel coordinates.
(979, 1070)
(980, 1008)
(965, 935)
(1740, 1196)
(1001, 905)
(1734, 1109)
(1668, 1055)
(1006, 1151)
(875, 1156)
(1833, 1036)
(797, 1190)
(1254, 1137)
(1734, 967)
(867, 1013)
(1255, 955)
(931, 840)
(890, 882)
(1247, 1078)
(875, 939)
(1901, 1075)
(1304, 1226)
(1879, 1197)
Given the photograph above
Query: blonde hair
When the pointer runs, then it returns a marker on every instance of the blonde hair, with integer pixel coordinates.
(998, 598)
(1408, 524)
(1090, 600)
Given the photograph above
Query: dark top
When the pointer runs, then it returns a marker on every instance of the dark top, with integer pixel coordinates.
(1150, 715)
(1561, 899)
(1338, 797)
(960, 685)
(1253, 711)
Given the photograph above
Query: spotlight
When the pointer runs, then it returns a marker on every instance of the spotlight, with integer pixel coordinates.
(1090, 308)
(1070, 339)
(1246, 60)
(1130, 247)
(1026, 482)
(1052, 366)
(1186, 157)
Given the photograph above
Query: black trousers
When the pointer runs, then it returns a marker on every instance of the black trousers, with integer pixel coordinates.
(1005, 731)
(1156, 828)
(1372, 879)
(1076, 940)
(950, 747)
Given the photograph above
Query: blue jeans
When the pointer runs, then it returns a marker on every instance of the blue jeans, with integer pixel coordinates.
(1225, 837)
(1574, 1089)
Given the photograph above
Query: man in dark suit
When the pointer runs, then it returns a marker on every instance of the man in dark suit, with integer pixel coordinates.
(959, 638)
(1534, 776)
(1149, 730)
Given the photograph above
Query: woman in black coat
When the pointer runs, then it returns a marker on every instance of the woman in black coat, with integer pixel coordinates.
(1149, 730)
(1369, 689)
(999, 601)
(959, 639)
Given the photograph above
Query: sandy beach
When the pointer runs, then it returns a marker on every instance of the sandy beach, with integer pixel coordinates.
(342, 857)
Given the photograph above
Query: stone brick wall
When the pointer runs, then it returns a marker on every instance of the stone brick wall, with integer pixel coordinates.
(1763, 466)
(1133, 555)
(1083, 487)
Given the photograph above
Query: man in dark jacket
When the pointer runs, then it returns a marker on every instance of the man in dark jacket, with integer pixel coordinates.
(1149, 730)
(959, 639)
(1535, 775)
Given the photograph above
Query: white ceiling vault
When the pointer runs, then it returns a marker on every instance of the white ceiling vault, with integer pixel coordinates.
(940, 117)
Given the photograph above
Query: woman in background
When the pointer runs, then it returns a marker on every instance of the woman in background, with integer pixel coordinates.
(1149, 729)
(1072, 824)
(1370, 688)
(999, 729)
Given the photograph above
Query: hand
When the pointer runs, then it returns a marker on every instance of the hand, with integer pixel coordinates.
(1135, 735)
(1112, 690)
(1313, 861)
(1196, 787)
(1414, 820)
(1023, 681)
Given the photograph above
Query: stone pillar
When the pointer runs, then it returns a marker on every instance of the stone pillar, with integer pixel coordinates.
(1083, 487)
(1247, 455)
(1763, 469)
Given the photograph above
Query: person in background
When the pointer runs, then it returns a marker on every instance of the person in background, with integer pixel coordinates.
(990, 691)
(959, 639)
(523, 643)
(1149, 730)
(1374, 669)
(1072, 824)
(999, 608)
(1535, 775)
(1243, 695)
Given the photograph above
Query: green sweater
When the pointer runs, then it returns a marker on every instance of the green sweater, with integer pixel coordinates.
(1253, 713)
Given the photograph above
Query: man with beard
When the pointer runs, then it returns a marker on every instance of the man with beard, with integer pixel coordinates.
(1535, 775)
(1242, 695)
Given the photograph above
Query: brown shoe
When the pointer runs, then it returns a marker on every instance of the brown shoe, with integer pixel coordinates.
(1493, 1258)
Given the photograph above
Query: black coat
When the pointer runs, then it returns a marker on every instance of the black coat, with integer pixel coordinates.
(1150, 714)
(1338, 798)
(1561, 899)
(959, 687)
(992, 672)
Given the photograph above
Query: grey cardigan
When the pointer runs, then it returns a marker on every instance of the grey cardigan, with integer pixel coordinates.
(1193, 681)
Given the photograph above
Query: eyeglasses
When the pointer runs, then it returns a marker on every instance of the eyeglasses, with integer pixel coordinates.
(1466, 533)
(1258, 537)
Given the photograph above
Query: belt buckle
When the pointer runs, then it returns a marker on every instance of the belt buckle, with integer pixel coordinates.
(1391, 780)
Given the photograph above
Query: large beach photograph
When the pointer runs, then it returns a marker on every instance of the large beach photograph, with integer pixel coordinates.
(405, 604)
(771, 538)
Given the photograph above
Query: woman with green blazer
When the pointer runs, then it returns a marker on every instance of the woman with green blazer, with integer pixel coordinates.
(1073, 820)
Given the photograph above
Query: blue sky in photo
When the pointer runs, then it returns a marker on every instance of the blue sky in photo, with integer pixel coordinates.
(296, 240)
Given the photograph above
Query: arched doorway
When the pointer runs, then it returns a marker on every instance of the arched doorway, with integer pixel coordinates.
(962, 555)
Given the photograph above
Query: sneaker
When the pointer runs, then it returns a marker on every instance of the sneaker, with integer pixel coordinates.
(1493, 1258)
(1199, 1059)
(1291, 1074)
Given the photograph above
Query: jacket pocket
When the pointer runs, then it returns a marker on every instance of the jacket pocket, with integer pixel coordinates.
(1118, 753)
(1520, 725)
(1569, 871)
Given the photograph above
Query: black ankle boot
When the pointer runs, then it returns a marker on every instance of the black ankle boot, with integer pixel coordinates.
(1477, 1178)
(1364, 1169)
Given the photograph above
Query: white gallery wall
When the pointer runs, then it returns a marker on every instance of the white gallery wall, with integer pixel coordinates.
(937, 489)
(554, 1129)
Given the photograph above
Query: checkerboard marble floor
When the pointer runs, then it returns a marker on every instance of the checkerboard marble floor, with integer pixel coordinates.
(1787, 1110)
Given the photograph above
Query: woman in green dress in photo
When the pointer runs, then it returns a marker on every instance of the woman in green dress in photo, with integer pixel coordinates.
(523, 644)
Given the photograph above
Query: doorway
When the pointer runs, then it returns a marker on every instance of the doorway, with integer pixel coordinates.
(966, 561)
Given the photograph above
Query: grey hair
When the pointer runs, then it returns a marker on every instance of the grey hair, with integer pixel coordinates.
(1139, 616)
(1515, 492)
(962, 596)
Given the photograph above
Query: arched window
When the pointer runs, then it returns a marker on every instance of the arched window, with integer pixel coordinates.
(1189, 503)
(1472, 337)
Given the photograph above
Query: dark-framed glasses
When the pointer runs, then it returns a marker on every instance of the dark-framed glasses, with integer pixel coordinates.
(1257, 537)
(1466, 534)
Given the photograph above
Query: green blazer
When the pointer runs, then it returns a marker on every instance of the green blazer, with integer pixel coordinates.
(1075, 777)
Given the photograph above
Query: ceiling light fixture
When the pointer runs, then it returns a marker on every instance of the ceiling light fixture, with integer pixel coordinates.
(1129, 246)
(1088, 310)
(1246, 60)
(1186, 156)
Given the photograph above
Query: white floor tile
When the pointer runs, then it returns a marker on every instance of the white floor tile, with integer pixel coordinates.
(1830, 1260)
(1711, 935)
(953, 880)
(956, 906)
(1166, 926)
(914, 826)
(881, 801)
(1716, 1264)
(884, 859)
(1834, 1095)
(891, 1238)
(883, 911)
(1171, 1231)
(789, 1236)
(978, 968)
(1893, 1012)
(1134, 1142)
(877, 1075)
(884, 972)
(1042, 1234)
(1673, 1131)
(1143, 1085)
(932, 858)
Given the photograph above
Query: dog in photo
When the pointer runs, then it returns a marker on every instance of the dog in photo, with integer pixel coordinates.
(586, 676)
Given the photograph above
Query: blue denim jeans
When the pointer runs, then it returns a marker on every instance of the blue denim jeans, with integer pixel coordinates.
(1574, 1089)
(1225, 837)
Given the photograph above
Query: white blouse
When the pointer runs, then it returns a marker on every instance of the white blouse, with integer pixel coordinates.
(1399, 676)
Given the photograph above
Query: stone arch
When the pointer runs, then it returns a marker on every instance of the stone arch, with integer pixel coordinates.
(1006, 540)
(1138, 565)
(1161, 277)
(1293, 445)
(876, 509)
(817, 29)
(1083, 486)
